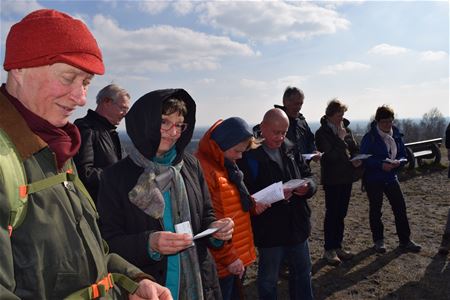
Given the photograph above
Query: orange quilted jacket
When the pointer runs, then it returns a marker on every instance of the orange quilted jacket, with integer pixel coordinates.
(227, 203)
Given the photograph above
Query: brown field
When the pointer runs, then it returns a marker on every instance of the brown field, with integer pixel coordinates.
(393, 275)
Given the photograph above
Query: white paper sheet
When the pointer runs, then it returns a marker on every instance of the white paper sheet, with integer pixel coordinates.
(361, 156)
(184, 227)
(293, 184)
(391, 161)
(205, 233)
(270, 194)
(309, 156)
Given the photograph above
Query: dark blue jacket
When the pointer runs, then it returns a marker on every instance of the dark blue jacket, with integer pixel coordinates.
(372, 143)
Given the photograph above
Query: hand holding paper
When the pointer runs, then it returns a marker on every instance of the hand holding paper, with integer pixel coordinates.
(309, 156)
(270, 194)
(302, 190)
(294, 183)
(226, 228)
(278, 191)
(205, 233)
(297, 187)
(166, 242)
(361, 157)
(260, 207)
(389, 164)
(395, 161)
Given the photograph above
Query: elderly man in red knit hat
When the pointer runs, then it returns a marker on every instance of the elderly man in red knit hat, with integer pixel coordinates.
(55, 251)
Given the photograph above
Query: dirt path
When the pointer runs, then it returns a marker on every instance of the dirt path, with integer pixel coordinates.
(393, 275)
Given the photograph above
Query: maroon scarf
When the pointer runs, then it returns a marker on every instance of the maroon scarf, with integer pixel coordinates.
(63, 141)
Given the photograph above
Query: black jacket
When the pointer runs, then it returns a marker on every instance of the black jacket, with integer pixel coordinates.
(285, 223)
(124, 226)
(300, 134)
(100, 148)
(335, 165)
(447, 137)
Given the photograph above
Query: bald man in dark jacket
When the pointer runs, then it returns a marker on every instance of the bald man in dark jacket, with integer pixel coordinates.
(281, 230)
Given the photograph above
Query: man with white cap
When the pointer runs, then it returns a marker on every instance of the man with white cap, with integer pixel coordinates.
(56, 250)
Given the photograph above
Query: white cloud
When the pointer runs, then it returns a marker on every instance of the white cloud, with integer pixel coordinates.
(386, 49)
(344, 67)
(292, 80)
(153, 7)
(433, 55)
(336, 4)
(12, 12)
(183, 7)
(254, 84)
(427, 84)
(21, 8)
(372, 90)
(207, 81)
(162, 48)
(408, 100)
(272, 20)
(275, 84)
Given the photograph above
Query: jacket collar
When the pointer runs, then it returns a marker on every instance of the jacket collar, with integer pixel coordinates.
(323, 121)
(12, 123)
(98, 118)
(299, 116)
(209, 148)
(396, 134)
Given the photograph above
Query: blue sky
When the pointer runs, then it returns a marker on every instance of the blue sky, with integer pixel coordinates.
(236, 57)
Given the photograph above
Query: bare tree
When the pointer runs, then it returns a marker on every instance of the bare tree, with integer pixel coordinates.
(433, 124)
(410, 130)
(369, 125)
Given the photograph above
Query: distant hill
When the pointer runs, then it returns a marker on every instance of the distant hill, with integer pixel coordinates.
(358, 127)
(200, 131)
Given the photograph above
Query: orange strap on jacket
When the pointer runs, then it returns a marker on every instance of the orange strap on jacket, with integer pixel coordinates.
(23, 191)
(100, 288)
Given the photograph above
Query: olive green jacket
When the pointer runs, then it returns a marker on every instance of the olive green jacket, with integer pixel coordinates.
(57, 249)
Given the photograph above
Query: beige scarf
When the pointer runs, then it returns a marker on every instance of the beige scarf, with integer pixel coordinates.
(389, 141)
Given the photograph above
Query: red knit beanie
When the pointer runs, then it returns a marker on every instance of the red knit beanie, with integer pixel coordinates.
(47, 36)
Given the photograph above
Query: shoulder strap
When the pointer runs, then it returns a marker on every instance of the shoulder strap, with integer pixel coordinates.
(17, 188)
(63, 178)
(12, 175)
(102, 287)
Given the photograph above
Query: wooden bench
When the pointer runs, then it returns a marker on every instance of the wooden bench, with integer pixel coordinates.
(428, 149)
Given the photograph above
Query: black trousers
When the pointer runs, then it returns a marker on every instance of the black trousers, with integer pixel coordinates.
(337, 198)
(375, 191)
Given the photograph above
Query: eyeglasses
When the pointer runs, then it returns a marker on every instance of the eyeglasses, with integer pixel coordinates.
(122, 109)
(166, 125)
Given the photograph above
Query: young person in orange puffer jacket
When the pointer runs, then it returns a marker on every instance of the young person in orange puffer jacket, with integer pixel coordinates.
(218, 151)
